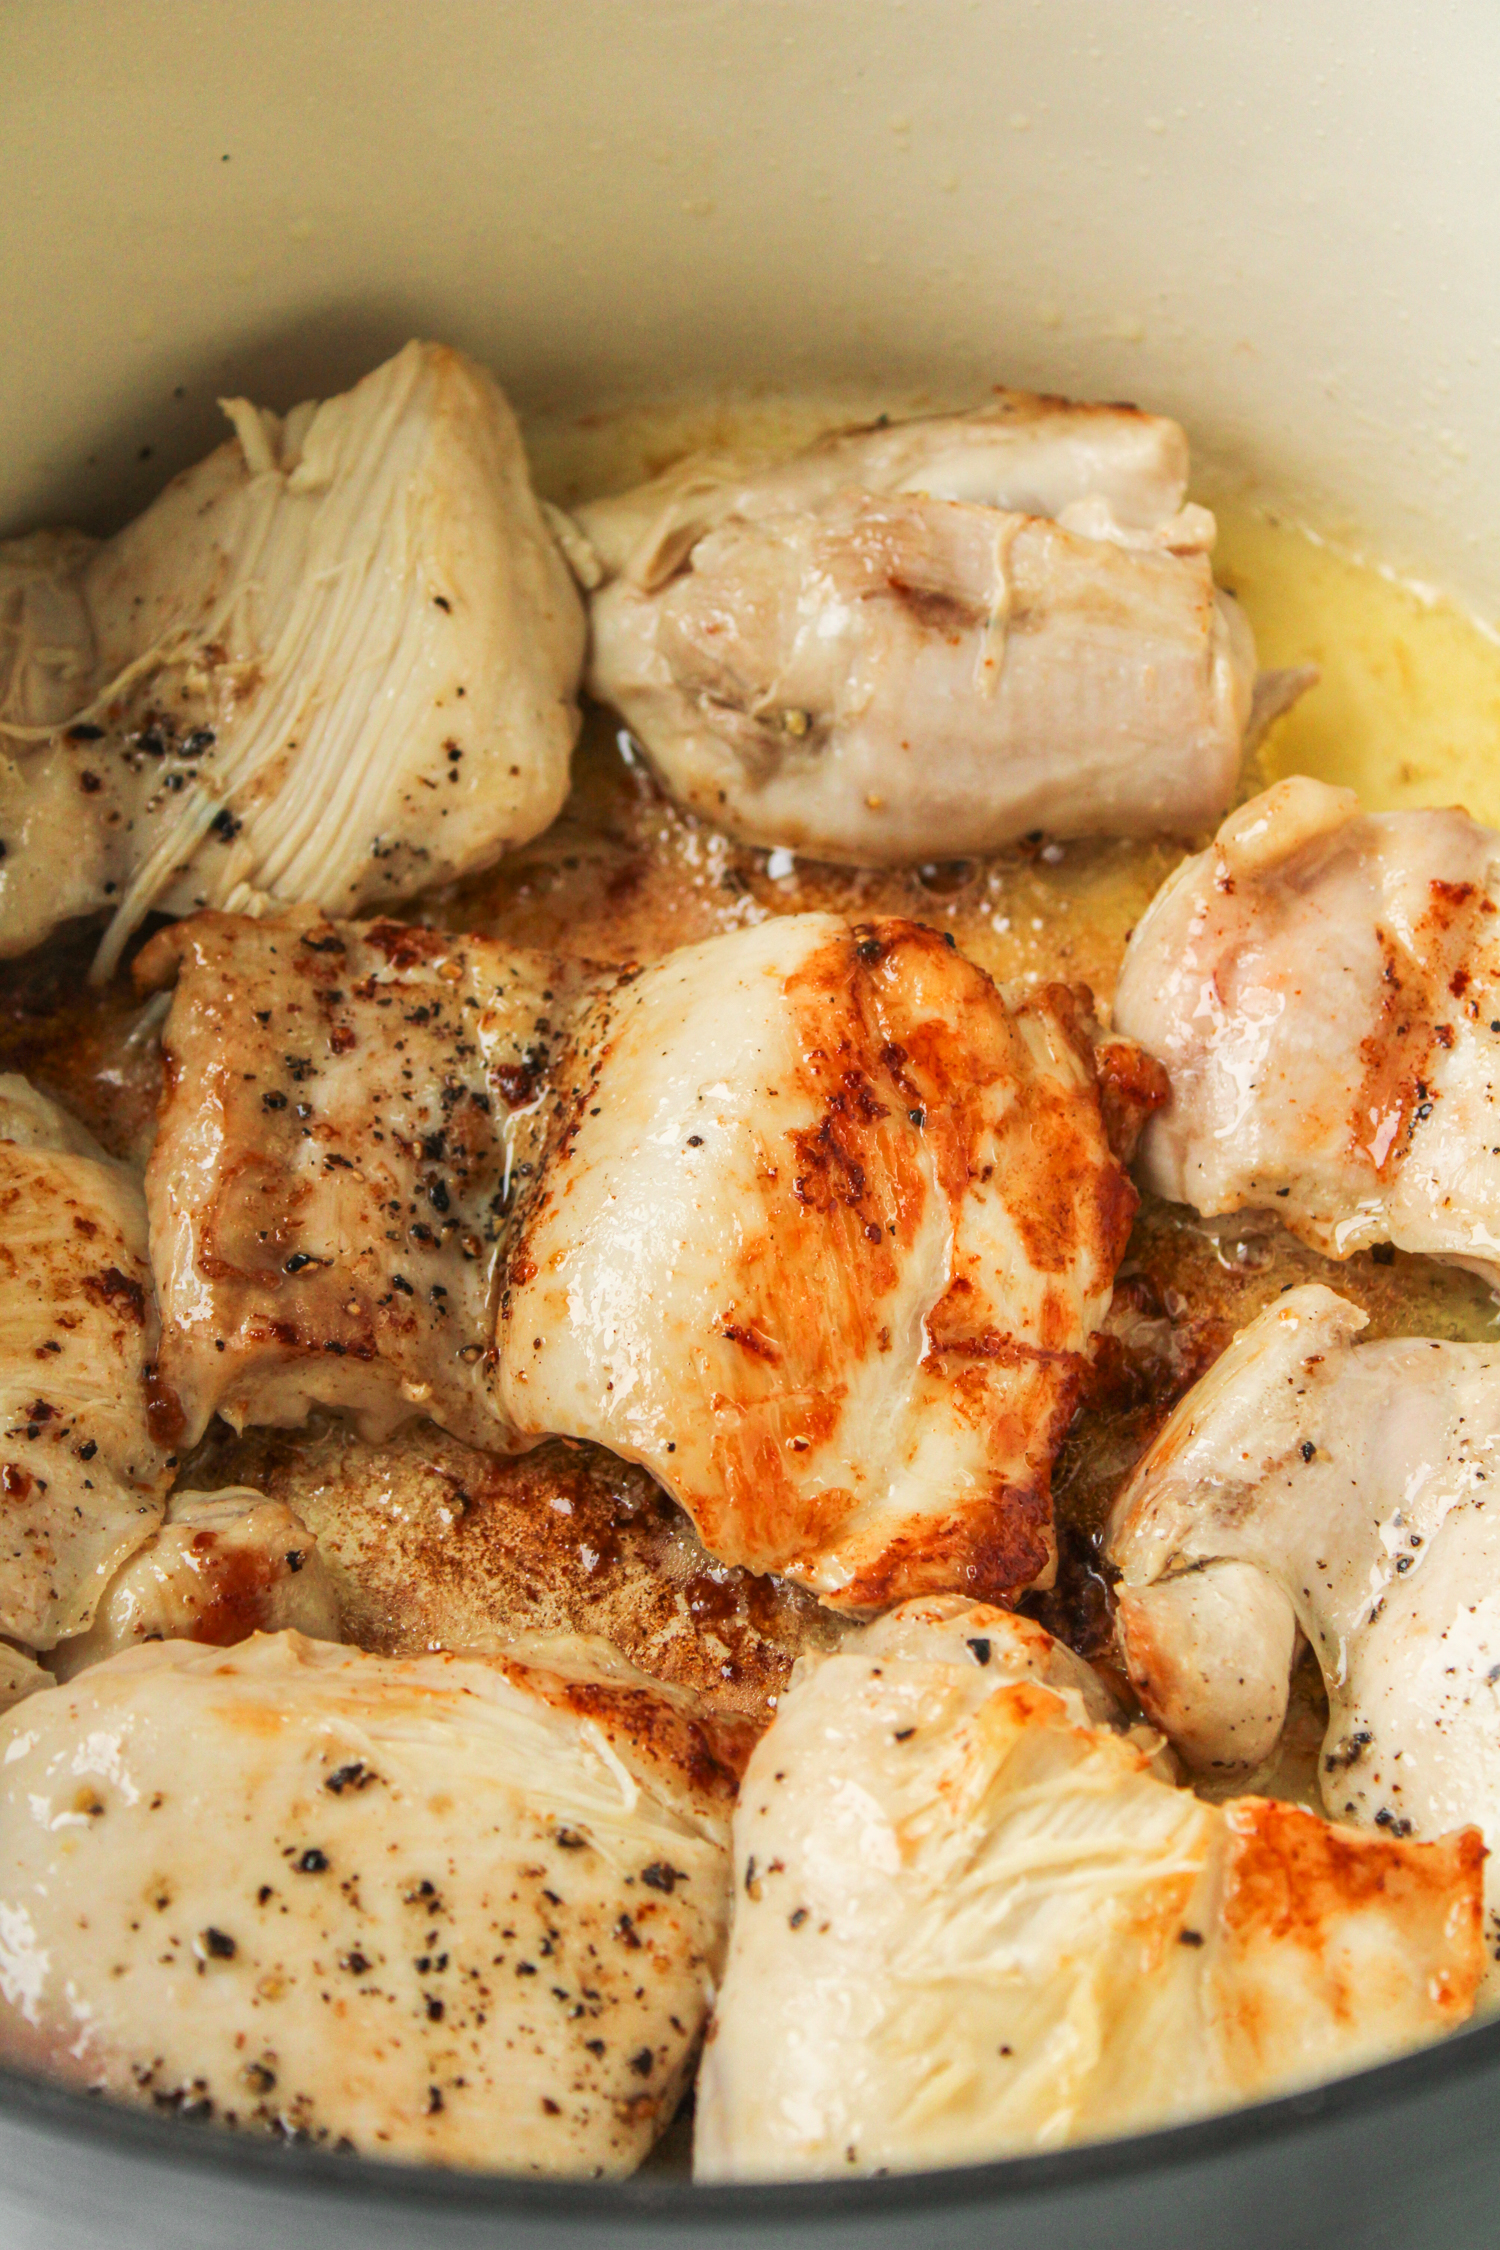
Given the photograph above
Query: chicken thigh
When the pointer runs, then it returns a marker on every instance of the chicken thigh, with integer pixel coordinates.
(85, 1428)
(345, 1106)
(972, 1916)
(1307, 1486)
(822, 1235)
(336, 662)
(1323, 986)
(442, 1908)
(928, 639)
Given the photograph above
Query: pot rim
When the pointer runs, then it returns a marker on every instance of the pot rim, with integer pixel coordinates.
(79, 2117)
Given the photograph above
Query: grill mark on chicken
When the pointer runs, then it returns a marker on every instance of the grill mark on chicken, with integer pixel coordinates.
(1290, 1875)
(112, 1289)
(710, 1750)
(237, 1583)
(935, 612)
(221, 1567)
(1386, 1100)
(1132, 1087)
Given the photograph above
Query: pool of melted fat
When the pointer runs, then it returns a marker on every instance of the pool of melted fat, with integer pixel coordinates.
(427, 1540)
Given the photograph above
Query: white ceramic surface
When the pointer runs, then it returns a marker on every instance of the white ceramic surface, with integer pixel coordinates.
(1279, 222)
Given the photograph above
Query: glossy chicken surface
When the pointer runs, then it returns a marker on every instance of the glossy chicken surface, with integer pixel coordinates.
(222, 1565)
(1323, 987)
(972, 1916)
(932, 638)
(335, 662)
(1312, 1486)
(344, 1105)
(440, 1908)
(821, 1237)
(85, 1433)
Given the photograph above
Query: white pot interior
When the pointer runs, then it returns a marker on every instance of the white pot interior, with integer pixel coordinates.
(1279, 226)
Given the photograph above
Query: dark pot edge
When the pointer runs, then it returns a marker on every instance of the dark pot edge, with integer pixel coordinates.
(80, 2118)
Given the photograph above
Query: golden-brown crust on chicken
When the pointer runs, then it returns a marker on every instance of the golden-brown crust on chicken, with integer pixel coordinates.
(848, 1316)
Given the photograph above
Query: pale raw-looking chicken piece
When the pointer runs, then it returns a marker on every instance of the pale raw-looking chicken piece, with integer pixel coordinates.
(971, 1918)
(1306, 1487)
(85, 1430)
(822, 1235)
(334, 663)
(343, 1109)
(223, 1565)
(926, 640)
(452, 1909)
(1323, 986)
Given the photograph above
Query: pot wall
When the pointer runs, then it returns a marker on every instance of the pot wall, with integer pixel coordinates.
(1281, 224)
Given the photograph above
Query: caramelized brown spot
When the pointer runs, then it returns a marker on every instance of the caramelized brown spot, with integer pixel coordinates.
(516, 1084)
(405, 946)
(1291, 1878)
(164, 1417)
(115, 1292)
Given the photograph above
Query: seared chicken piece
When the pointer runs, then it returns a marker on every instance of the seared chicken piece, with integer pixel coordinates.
(444, 1908)
(344, 1107)
(85, 1426)
(430, 1544)
(847, 1336)
(224, 1565)
(821, 1237)
(1323, 986)
(1308, 1487)
(926, 640)
(970, 1918)
(336, 662)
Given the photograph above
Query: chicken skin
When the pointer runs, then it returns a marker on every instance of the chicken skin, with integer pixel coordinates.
(1323, 987)
(1349, 1494)
(454, 1909)
(924, 640)
(972, 1916)
(335, 662)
